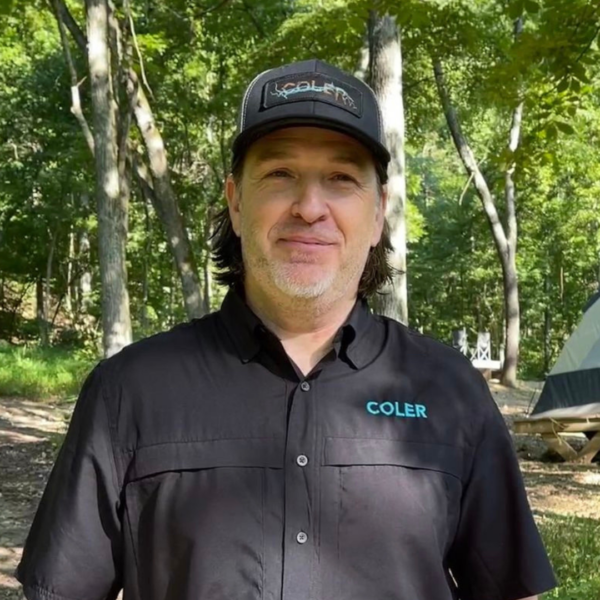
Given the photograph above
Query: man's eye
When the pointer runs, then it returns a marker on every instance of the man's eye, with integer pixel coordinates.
(343, 177)
(279, 173)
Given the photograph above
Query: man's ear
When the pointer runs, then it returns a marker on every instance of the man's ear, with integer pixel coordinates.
(232, 193)
(380, 216)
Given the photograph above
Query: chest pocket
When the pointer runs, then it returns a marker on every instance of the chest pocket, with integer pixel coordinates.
(389, 509)
(196, 517)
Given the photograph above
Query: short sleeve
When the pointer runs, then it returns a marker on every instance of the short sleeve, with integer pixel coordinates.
(73, 549)
(498, 553)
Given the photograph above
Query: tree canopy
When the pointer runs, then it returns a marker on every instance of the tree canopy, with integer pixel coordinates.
(193, 60)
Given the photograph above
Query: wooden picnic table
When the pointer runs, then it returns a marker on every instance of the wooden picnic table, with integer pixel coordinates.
(551, 429)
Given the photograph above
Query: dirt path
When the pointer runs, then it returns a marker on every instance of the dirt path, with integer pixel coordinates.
(28, 430)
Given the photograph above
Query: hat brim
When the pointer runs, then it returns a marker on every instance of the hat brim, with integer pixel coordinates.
(245, 139)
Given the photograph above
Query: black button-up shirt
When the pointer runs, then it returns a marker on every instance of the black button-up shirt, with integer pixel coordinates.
(200, 464)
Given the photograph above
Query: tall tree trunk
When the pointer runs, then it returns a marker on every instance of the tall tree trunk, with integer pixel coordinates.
(511, 282)
(385, 76)
(168, 209)
(547, 326)
(513, 327)
(206, 263)
(40, 303)
(146, 265)
(70, 290)
(47, 291)
(112, 211)
(505, 247)
(85, 278)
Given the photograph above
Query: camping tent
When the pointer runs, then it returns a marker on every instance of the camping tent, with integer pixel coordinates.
(572, 388)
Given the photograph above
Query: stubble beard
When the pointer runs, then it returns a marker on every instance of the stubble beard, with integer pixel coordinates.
(285, 278)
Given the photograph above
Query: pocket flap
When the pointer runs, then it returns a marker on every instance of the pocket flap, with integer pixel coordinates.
(414, 455)
(180, 456)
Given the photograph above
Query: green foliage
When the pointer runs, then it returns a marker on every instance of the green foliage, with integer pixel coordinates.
(573, 544)
(42, 373)
(198, 58)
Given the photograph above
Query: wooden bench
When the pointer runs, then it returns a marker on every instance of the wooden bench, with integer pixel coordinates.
(551, 429)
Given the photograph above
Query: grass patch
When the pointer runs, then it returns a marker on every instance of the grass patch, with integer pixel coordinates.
(573, 544)
(43, 373)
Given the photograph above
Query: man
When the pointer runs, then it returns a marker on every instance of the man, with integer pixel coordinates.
(292, 445)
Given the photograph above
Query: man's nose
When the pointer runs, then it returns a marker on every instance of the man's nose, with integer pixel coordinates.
(311, 204)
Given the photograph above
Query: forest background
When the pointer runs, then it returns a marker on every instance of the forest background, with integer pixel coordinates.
(497, 150)
(116, 118)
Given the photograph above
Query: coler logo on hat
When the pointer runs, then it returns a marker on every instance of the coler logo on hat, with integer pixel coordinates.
(311, 93)
(310, 86)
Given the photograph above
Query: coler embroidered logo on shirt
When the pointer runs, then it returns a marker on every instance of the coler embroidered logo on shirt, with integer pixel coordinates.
(397, 409)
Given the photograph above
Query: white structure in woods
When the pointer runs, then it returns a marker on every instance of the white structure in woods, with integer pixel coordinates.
(481, 356)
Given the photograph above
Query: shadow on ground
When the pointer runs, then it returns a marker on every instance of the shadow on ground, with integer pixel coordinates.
(29, 436)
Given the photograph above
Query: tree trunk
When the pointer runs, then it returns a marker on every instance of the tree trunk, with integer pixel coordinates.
(505, 246)
(146, 265)
(362, 67)
(47, 292)
(206, 265)
(112, 211)
(40, 303)
(511, 300)
(85, 279)
(168, 209)
(385, 76)
(547, 326)
(70, 300)
(511, 282)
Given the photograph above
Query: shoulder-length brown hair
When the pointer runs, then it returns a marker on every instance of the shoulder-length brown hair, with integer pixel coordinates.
(227, 250)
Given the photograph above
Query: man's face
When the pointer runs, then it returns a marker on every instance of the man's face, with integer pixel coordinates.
(307, 210)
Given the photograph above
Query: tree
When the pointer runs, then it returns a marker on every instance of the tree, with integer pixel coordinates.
(385, 77)
(504, 239)
(155, 180)
(112, 199)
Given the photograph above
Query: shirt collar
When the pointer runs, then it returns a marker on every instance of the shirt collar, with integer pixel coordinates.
(360, 338)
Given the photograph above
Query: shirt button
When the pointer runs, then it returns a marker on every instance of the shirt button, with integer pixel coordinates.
(302, 538)
(302, 460)
(305, 386)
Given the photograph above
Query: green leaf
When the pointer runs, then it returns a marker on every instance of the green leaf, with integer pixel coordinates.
(579, 72)
(532, 7)
(547, 157)
(565, 127)
(563, 86)
(551, 132)
(515, 9)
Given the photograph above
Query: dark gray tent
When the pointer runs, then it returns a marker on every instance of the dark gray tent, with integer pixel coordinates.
(572, 388)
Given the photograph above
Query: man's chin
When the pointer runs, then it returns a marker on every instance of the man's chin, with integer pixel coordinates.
(305, 292)
(302, 288)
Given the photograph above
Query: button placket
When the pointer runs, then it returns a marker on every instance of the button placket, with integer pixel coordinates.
(298, 559)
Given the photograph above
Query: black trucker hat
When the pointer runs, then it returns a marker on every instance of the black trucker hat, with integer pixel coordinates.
(310, 93)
